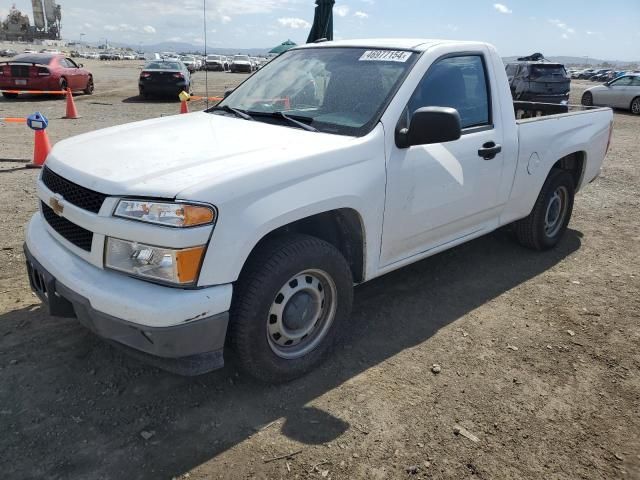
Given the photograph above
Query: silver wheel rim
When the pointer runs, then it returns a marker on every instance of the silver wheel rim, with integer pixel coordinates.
(635, 107)
(301, 314)
(556, 212)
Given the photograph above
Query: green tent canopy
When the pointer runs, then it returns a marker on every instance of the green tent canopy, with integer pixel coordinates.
(283, 47)
(322, 21)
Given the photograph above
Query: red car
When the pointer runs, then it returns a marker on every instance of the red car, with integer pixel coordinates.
(42, 71)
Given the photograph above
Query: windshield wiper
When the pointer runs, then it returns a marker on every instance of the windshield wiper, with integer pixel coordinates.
(235, 111)
(286, 117)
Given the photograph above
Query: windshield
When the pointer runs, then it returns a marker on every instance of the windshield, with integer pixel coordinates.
(241, 58)
(335, 90)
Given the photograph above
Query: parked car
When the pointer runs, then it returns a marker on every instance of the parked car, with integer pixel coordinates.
(214, 63)
(179, 250)
(585, 74)
(595, 73)
(538, 81)
(190, 62)
(240, 64)
(164, 78)
(8, 52)
(622, 92)
(43, 71)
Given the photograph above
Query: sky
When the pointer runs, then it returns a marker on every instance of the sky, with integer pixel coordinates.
(607, 30)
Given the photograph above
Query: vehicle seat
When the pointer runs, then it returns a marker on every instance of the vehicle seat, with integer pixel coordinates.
(356, 89)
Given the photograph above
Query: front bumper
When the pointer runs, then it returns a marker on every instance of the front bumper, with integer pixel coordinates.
(156, 322)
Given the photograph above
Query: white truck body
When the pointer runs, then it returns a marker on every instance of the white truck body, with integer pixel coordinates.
(409, 203)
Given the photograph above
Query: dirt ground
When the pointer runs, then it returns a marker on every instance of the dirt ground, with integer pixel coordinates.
(539, 354)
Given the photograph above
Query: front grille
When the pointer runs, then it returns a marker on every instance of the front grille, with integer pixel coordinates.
(73, 193)
(20, 71)
(70, 231)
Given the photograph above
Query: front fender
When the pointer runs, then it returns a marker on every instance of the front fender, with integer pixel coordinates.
(354, 179)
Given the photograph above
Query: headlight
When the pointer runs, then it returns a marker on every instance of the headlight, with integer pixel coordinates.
(165, 213)
(181, 267)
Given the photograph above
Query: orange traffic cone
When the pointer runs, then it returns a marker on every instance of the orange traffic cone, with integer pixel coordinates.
(72, 113)
(41, 149)
(184, 98)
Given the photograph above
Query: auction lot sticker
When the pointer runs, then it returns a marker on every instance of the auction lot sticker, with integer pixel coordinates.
(385, 56)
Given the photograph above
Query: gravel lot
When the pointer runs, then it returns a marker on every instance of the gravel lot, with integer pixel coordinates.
(539, 353)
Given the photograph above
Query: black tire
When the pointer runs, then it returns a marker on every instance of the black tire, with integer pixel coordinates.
(587, 99)
(635, 106)
(533, 231)
(270, 271)
(90, 87)
(10, 96)
(63, 84)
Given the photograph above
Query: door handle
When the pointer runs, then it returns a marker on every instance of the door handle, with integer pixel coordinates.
(489, 150)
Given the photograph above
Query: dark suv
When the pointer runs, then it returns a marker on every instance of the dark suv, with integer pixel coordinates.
(534, 79)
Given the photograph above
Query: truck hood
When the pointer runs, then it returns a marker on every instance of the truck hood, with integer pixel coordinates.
(164, 156)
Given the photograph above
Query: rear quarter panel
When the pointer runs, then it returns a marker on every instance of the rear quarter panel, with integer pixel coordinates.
(545, 140)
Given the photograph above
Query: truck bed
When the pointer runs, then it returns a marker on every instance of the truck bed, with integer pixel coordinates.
(535, 110)
(547, 133)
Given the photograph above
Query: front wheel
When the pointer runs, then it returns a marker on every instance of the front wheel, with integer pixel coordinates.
(63, 84)
(635, 106)
(290, 305)
(587, 99)
(547, 222)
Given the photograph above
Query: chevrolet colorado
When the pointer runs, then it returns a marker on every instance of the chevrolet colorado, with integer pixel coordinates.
(336, 163)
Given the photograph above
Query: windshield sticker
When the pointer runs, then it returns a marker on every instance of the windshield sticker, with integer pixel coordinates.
(385, 56)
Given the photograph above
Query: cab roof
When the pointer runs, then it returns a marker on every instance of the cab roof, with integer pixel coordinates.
(415, 44)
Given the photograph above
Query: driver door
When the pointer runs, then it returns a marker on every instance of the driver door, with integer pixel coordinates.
(70, 73)
(615, 93)
(442, 192)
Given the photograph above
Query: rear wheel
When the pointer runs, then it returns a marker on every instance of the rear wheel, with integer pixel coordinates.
(587, 99)
(289, 307)
(10, 96)
(635, 106)
(90, 87)
(547, 222)
(63, 84)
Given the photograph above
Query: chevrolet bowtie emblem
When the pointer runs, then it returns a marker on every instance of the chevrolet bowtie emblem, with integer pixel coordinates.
(56, 205)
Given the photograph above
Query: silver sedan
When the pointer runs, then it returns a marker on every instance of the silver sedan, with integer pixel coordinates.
(622, 92)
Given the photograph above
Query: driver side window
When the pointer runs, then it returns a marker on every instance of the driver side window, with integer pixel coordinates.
(622, 82)
(456, 82)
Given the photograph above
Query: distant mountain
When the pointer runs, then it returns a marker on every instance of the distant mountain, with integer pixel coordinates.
(183, 47)
(567, 60)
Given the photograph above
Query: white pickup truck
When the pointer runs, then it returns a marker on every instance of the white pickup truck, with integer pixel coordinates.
(336, 163)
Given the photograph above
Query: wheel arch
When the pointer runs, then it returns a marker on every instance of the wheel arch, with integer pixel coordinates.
(575, 164)
(343, 228)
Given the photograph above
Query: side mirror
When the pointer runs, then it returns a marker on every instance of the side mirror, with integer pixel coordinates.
(227, 93)
(430, 125)
(81, 65)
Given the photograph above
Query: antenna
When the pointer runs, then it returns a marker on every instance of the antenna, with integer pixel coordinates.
(206, 70)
